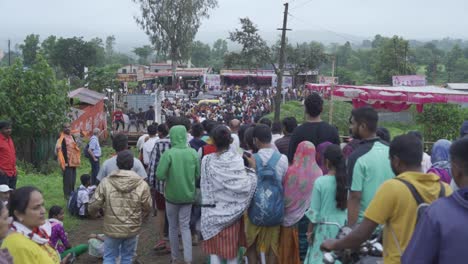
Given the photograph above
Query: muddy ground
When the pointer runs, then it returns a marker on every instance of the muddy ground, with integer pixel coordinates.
(145, 251)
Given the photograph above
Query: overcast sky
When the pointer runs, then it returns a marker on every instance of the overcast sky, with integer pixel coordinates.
(415, 19)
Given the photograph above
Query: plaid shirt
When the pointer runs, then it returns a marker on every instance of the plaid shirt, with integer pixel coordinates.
(160, 146)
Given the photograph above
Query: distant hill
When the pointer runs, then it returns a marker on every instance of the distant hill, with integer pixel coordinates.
(126, 41)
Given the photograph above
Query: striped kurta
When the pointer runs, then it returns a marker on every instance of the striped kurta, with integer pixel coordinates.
(226, 244)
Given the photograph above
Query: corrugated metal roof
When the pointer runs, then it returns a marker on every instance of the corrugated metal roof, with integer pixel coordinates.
(457, 86)
(86, 95)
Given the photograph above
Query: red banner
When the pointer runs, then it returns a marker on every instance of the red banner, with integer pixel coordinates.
(93, 117)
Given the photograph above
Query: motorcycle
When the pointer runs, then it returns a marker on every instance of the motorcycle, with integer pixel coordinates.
(370, 252)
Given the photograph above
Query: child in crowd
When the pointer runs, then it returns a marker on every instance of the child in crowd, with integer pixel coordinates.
(85, 191)
(5, 194)
(263, 240)
(328, 203)
(58, 236)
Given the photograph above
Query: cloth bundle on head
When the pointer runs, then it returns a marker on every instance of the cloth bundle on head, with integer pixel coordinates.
(299, 182)
(4, 124)
(320, 156)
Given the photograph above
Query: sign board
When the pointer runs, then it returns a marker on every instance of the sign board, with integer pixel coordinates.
(212, 81)
(126, 77)
(327, 80)
(287, 81)
(409, 80)
(140, 74)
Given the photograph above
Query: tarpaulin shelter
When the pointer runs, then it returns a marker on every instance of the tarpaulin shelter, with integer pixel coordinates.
(393, 98)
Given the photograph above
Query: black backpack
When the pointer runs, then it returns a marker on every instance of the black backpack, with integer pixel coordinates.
(422, 206)
(85, 151)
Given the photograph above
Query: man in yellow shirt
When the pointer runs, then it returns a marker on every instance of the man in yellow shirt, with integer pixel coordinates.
(394, 205)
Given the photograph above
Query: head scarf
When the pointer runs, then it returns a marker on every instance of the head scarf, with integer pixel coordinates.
(440, 158)
(299, 182)
(440, 151)
(321, 158)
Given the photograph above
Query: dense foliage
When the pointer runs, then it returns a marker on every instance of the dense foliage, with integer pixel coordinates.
(32, 98)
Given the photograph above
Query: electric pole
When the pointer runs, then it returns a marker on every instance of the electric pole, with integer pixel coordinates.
(279, 83)
(332, 88)
(9, 53)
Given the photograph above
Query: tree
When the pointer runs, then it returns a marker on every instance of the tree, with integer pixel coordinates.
(255, 52)
(110, 42)
(13, 56)
(98, 45)
(30, 49)
(200, 54)
(47, 47)
(172, 25)
(100, 78)
(452, 57)
(32, 98)
(74, 54)
(302, 57)
(143, 53)
(392, 59)
(219, 50)
(220, 47)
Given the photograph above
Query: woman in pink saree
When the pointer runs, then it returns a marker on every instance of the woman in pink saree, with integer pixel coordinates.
(298, 184)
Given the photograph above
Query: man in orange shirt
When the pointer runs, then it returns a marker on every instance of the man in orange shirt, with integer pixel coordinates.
(8, 173)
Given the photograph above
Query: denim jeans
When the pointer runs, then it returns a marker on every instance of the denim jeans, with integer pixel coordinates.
(94, 171)
(179, 217)
(123, 247)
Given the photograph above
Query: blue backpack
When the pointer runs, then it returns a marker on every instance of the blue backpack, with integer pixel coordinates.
(72, 205)
(267, 206)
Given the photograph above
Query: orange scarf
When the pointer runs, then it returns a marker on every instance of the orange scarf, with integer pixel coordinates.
(73, 152)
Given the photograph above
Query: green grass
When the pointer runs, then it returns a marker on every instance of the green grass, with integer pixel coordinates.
(51, 184)
(397, 129)
(341, 113)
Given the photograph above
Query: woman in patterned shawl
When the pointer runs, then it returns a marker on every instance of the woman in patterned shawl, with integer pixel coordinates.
(227, 188)
(298, 185)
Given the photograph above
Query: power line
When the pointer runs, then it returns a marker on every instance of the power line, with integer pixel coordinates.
(347, 38)
(302, 4)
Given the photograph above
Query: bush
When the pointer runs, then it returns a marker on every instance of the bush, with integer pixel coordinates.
(441, 121)
(48, 167)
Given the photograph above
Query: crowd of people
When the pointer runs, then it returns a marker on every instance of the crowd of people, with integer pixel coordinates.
(247, 104)
(249, 189)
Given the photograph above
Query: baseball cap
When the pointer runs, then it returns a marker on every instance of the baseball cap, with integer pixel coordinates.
(5, 188)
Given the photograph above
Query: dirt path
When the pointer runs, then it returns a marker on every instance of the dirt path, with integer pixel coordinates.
(145, 251)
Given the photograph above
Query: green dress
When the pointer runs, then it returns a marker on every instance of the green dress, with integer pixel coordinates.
(323, 209)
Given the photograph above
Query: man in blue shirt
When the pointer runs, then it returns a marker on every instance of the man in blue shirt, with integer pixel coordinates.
(441, 235)
(94, 151)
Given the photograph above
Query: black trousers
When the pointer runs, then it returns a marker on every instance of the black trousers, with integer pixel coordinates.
(94, 171)
(8, 180)
(69, 179)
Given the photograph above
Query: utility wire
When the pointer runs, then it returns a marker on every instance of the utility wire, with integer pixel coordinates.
(302, 4)
(347, 38)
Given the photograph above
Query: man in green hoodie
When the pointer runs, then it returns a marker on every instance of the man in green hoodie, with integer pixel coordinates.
(179, 167)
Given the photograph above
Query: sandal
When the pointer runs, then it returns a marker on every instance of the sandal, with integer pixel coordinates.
(160, 245)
